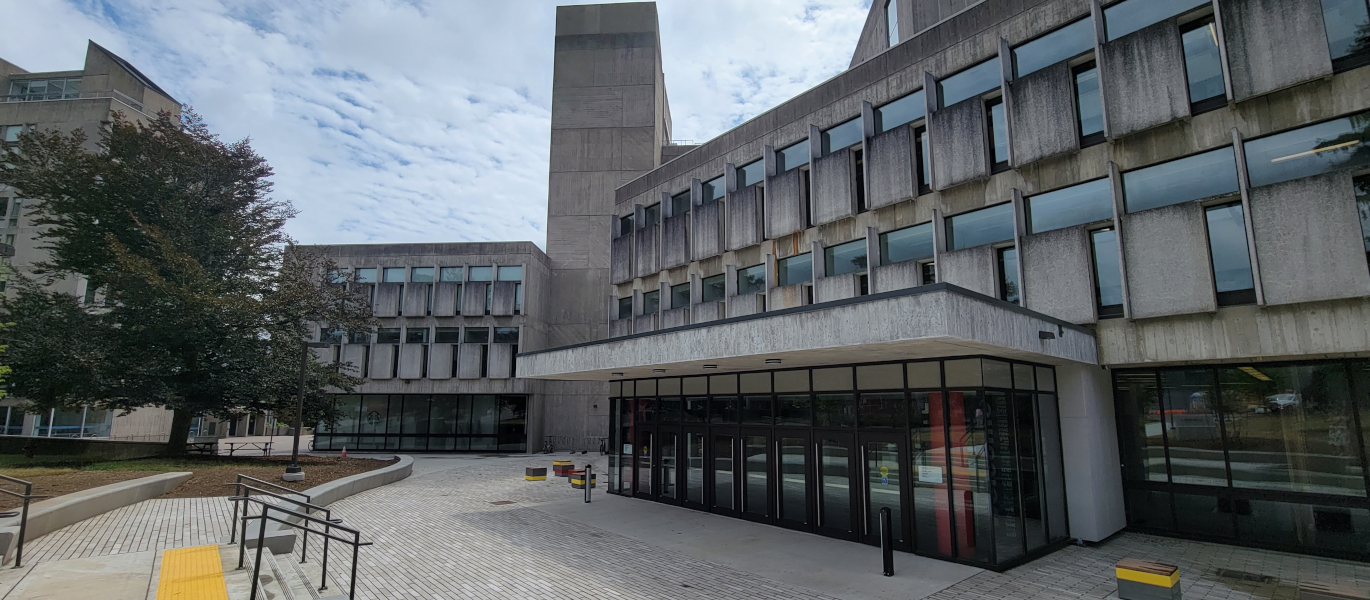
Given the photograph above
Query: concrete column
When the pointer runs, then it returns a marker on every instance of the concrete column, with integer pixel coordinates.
(696, 289)
(1096, 13)
(1006, 75)
(730, 281)
(1089, 447)
(820, 268)
(771, 275)
(1019, 230)
(939, 243)
(1115, 182)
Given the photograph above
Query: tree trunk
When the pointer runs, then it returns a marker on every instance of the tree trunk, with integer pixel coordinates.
(180, 431)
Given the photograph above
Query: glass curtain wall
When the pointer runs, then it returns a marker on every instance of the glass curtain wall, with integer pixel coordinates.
(429, 422)
(1264, 454)
(965, 453)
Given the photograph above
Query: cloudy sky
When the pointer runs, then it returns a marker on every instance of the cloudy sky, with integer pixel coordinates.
(422, 120)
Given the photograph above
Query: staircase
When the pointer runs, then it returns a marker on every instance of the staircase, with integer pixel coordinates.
(185, 574)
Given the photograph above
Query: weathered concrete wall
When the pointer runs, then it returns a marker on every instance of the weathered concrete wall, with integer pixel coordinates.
(1144, 81)
(387, 299)
(644, 251)
(621, 259)
(1058, 274)
(1168, 271)
(675, 241)
(897, 276)
(1309, 240)
(707, 311)
(836, 287)
(500, 361)
(473, 298)
(440, 360)
(707, 230)
(644, 323)
(1042, 110)
(675, 317)
(744, 218)
(971, 268)
(834, 187)
(788, 296)
(620, 327)
(890, 168)
(784, 204)
(751, 304)
(468, 361)
(415, 299)
(354, 355)
(445, 298)
(503, 298)
(382, 361)
(1274, 44)
(958, 144)
(411, 361)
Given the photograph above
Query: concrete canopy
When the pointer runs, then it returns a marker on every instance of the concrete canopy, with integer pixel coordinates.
(935, 320)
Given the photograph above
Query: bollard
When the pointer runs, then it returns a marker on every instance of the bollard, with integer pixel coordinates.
(589, 481)
(887, 541)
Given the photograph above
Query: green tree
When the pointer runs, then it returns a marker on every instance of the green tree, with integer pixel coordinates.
(205, 304)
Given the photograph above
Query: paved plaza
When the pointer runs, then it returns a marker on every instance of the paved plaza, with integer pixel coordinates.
(440, 534)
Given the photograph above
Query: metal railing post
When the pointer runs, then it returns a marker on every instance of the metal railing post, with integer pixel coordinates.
(23, 525)
(887, 541)
(233, 530)
(257, 565)
(356, 541)
(589, 478)
(323, 577)
(242, 541)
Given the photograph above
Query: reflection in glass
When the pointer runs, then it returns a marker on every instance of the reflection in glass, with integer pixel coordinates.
(1347, 22)
(1008, 275)
(680, 203)
(1089, 102)
(845, 258)
(887, 409)
(1227, 243)
(1108, 273)
(1192, 432)
(712, 288)
(1203, 64)
(751, 173)
(792, 156)
(841, 136)
(1326, 528)
(751, 280)
(723, 409)
(835, 410)
(651, 302)
(903, 111)
(1029, 476)
(694, 468)
(998, 133)
(756, 410)
(969, 421)
(668, 464)
(1004, 477)
(754, 469)
(920, 140)
(696, 409)
(909, 243)
(882, 489)
(644, 462)
(971, 82)
(668, 410)
(984, 226)
(680, 295)
(1067, 42)
(1200, 176)
(794, 410)
(794, 270)
(834, 479)
(928, 452)
(794, 477)
(1322, 148)
(723, 471)
(1126, 17)
(1075, 205)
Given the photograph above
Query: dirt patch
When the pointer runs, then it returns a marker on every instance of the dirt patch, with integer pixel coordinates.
(208, 479)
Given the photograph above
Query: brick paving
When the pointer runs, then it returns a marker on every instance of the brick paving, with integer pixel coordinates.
(148, 525)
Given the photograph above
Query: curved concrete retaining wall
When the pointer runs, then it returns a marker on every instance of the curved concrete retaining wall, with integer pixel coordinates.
(280, 539)
(50, 515)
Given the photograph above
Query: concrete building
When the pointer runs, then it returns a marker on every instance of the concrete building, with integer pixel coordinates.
(1017, 244)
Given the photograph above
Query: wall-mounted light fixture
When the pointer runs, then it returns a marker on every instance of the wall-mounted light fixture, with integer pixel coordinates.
(658, 370)
(772, 361)
(1046, 335)
(616, 374)
(710, 366)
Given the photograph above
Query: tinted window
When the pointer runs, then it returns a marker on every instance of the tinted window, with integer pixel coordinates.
(1075, 205)
(511, 273)
(1089, 102)
(447, 335)
(998, 133)
(1067, 42)
(651, 303)
(421, 275)
(751, 279)
(920, 140)
(1108, 275)
(792, 157)
(842, 136)
(750, 174)
(846, 258)
(909, 243)
(680, 203)
(388, 335)
(506, 335)
(1008, 275)
(416, 335)
(1200, 176)
(1347, 21)
(480, 274)
(1227, 242)
(651, 215)
(1363, 205)
(712, 288)
(477, 335)
(892, 22)
(366, 276)
(625, 307)
(394, 275)
(984, 226)
(1126, 17)
(449, 274)
(971, 82)
(1203, 65)
(1330, 146)
(713, 189)
(795, 269)
(680, 295)
(903, 111)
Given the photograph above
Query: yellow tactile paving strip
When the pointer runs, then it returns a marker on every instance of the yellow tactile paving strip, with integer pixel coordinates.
(192, 573)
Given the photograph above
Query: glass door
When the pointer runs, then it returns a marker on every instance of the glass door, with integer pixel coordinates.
(755, 476)
(642, 462)
(883, 466)
(723, 461)
(793, 477)
(837, 485)
(695, 447)
(667, 466)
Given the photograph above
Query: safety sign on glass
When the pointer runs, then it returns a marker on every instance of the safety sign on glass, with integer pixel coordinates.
(885, 475)
(627, 448)
(930, 474)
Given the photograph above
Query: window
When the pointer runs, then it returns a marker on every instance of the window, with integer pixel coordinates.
(1065, 43)
(713, 189)
(984, 226)
(1330, 146)
(1008, 274)
(920, 144)
(845, 258)
(394, 274)
(841, 136)
(513, 273)
(449, 274)
(477, 335)
(625, 225)
(447, 335)
(45, 89)
(1203, 65)
(359, 337)
(903, 111)
(506, 335)
(712, 288)
(680, 295)
(651, 302)
(1347, 22)
(928, 271)
(416, 335)
(751, 280)
(332, 335)
(10, 134)
(909, 243)
(388, 335)
(625, 308)
(1231, 261)
(998, 134)
(421, 275)
(366, 275)
(1363, 205)
(1126, 17)
(1089, 104)
(16, 209)
(892, 21)
(1108, 274)
(750, 174)
(970, 83)
(791, 157)
(795, 269)
(480, 274)
(651, 215)
(1204, 175)
(1075, 205)
(680, 204)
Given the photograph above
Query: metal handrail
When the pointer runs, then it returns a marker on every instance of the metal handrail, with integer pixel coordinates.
(304, 544)
(327, 532)
(24, 515)
(282, 488)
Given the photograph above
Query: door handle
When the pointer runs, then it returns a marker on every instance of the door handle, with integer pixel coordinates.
(861, 492)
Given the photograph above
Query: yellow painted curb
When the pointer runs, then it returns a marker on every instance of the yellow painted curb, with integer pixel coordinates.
(1149, 578)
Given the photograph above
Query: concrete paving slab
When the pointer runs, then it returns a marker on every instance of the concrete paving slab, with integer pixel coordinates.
(119, 577)
(824, 565)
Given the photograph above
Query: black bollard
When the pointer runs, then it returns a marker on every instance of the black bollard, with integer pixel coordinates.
(589, 477)
(887, 541)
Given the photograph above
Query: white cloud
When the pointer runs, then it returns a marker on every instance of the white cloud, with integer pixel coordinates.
(425, 120)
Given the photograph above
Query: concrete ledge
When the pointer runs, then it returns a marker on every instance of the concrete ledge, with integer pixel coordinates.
(50, 515)
(280, 539)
